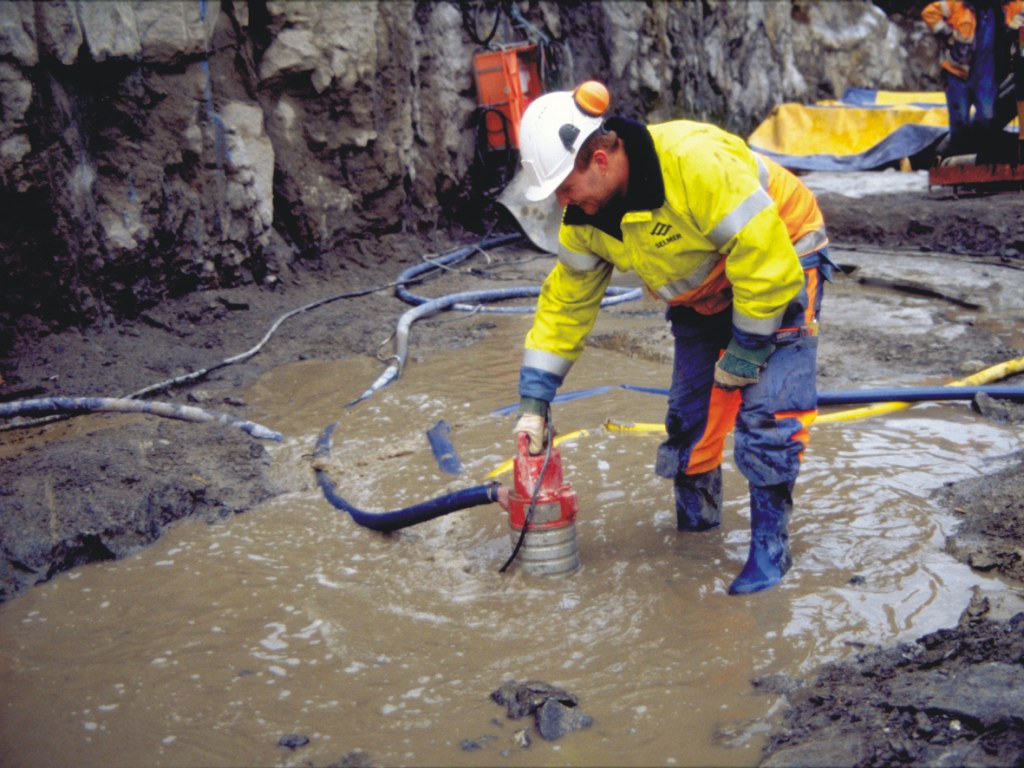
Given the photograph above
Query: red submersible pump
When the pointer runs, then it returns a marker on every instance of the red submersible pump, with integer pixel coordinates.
(542, 513)
(541, 508)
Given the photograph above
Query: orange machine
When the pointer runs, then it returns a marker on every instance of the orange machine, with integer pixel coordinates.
(507, 80)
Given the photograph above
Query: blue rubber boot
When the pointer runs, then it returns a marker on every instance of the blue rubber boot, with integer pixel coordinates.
(699, 500)
(769, 558)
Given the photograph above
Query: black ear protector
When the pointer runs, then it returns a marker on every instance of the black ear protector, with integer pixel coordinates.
(568, 134)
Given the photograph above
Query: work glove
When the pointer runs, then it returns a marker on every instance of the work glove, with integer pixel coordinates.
(532, 419)
(739, 367)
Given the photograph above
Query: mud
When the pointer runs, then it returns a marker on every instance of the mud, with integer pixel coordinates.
(102, 486)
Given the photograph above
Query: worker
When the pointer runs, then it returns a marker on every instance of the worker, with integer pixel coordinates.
(736, 246)
(972, 39)
(1015, 23)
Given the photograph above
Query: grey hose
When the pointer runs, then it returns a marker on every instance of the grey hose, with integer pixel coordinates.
(239, 358)
(394, 370)
(243, 356)
(614, 295)
(65, 405)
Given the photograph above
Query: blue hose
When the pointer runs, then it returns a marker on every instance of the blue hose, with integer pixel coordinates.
(444, 450)
(386, 522)
(446, 260)
(826, 397)
(613, 295)
(916, 394)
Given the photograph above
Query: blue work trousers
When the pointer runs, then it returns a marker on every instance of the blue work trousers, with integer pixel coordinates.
(770, 417)
(979, 90)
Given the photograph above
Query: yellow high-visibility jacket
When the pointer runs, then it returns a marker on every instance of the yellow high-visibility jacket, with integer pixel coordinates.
(707, 223)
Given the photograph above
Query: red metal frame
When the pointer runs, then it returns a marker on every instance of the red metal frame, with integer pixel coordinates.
(968, 175)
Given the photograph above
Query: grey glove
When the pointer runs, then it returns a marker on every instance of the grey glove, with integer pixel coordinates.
(740, 367)
(532, 419)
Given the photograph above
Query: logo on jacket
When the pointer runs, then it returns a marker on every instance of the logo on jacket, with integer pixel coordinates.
(660, 229)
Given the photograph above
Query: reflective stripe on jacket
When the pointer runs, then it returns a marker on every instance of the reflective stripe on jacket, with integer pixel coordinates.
(719, 227)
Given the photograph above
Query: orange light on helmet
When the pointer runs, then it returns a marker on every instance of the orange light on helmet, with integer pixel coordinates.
(592, 97)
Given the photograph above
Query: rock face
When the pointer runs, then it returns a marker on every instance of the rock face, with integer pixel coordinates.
(156, 148)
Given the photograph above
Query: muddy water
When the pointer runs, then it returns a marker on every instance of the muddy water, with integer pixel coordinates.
(211, 645)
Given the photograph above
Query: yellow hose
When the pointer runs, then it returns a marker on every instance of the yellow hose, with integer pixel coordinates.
(615, 426)
(507, 465)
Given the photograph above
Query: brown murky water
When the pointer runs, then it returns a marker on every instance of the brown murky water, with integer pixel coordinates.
(216, 641)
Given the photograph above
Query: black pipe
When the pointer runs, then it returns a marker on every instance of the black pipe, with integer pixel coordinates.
(387, 522)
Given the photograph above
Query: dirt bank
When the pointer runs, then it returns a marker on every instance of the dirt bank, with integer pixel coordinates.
(101, 486)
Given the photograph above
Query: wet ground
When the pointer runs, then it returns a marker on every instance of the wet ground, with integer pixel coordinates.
(216, 641)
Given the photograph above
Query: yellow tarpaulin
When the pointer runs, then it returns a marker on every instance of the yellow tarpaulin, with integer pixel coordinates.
(867, 129)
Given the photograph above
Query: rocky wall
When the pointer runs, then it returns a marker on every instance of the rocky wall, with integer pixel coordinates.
(159, 147)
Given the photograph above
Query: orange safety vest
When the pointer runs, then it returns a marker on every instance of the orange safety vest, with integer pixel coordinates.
(957, 19)
(1015, 21)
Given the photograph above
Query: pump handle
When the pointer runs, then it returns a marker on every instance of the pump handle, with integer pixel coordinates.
(523, 444)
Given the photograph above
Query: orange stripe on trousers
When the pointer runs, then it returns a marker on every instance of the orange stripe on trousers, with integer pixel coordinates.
(725, 405)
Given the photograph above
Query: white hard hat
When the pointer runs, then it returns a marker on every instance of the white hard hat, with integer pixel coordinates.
(551, 132)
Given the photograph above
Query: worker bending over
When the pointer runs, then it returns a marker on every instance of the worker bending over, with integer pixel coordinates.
(736, 246)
